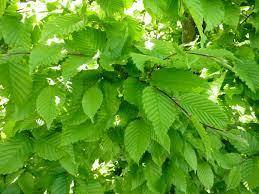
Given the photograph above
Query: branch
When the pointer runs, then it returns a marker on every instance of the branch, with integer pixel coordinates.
(215, 58)
(28, 53)
(224, 64)
(185, 111)
(17, 53)
(247, 16)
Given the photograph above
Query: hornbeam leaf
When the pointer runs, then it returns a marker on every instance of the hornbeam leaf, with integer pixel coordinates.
(68, 24)
(13, 154)
(190, 156)
(248, 71)
(137, 138)
(92, 101)
(205, 175)
(46, 105)
(233, 178)
(2, 7)
(160, 110)
(204, 110)
(209, 8)
(173, 80)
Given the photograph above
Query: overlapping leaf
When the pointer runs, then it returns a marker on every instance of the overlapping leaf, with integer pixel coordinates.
(45, 55)
(68, 23)
(174, 80)
(16, 34)
(205, 110)
(161, 111)
(13, 154)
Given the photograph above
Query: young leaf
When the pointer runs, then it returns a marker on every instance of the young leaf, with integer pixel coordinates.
(92, 101)
(205, 175)
(137, 138)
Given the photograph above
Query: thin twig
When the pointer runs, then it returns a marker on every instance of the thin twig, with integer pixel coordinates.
(185, 111)
(223, 63)
(246, 18)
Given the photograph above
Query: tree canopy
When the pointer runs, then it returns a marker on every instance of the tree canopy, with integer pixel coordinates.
(129, 97)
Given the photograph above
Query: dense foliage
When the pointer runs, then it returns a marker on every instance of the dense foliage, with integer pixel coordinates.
(124, 96)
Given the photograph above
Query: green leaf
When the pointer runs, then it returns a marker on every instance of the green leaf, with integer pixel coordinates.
(49, 147)
(26, 182)
(162, 9)
(69, 164)
(46, 105)
(68, 24)
(13, 154)
(209, 9)
(15, 33)
(111, 7)
(204, 136)
(138, 179)
(232, 14)
(190, 156)
(217, 53)
(160, 110)
(60, 185)
(133, 91)
(92, 101)
(195, 8)
(85, 131)
(205, 175)
(2, 7)
(18, 80)
(110, 97)
(249, 172)
(70, 67)
(91, 187)
(179, 178)
(152, 173)
(45, 55)
(176, 80)
(158, 153)
(88, 41)
(248, 71)
(204, 110)
(233, 179)
(137, 138)
(140, 60)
